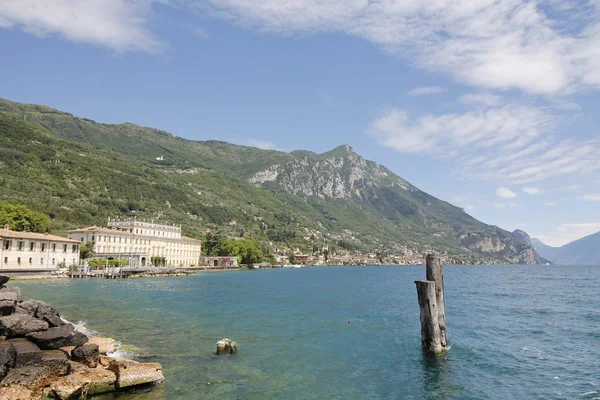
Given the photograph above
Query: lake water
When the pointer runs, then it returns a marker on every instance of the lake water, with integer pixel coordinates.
(516, 332)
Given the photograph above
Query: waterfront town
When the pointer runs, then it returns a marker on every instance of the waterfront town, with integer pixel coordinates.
(147, 244)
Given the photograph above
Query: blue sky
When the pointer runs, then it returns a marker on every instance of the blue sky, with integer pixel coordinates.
(491, 105)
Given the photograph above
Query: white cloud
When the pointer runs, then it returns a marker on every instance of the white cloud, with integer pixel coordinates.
(516, 144)
(568, 232)
(549, 204)
(469, 207)
(120, 25)
(591, 197)
(421, 91)
(505, 193)
(255, 142)
(481, 99)
(571, 188)
(532, 191)
(508, 44)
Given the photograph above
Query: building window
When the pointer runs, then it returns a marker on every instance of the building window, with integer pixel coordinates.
(43, 246)
(93, 238)
(6, 244)
(74, 249)
(41, 261)
(53, 261)
(19, 260)
(31, 246)
(82, 239)
(64, 248)
(5, 260)
(30, 260)
(20, 245)
(53, 247)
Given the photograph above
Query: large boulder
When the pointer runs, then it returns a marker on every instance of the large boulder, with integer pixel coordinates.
(20, 325)
(131, 373)
(16, 291)
(4, 279)
(26, 382)
(94, 380)
(26, 353)
(57, 337)
(87, 354)
(42, 310)
(226, 346)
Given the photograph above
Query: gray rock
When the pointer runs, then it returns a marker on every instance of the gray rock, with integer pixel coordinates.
(57, 337)
(7, 307)
(42, 310)
(226, 346)
(26, 353)
(20, 325)
(4, 279)
(14, 290)
(9, 296)
(8, 357)
(87, 354)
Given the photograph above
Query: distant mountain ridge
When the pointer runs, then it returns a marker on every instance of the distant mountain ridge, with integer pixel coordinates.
(81, 172)
(584, 251)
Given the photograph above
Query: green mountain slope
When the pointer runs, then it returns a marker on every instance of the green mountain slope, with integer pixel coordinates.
(80, 172)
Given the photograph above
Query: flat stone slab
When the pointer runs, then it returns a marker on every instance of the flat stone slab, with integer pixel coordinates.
(56, 361)
(131, 373)
(105, 345)
(26, 353)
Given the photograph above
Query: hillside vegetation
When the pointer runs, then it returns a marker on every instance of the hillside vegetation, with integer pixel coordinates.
(80, 172)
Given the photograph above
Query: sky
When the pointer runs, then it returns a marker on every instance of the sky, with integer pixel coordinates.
(491, 105)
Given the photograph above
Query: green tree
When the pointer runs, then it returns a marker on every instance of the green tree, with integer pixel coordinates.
(86, 250)
(291, 257)
(20, 218)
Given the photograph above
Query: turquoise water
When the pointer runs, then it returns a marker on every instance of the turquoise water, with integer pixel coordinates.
(517, 332)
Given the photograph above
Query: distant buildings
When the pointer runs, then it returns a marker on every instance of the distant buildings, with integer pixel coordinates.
(36, 251)
(142, 243)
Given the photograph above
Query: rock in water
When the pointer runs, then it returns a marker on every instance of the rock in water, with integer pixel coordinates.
(42, 310)
(4, 279)
(226, 346)
(57, 337)
(20, 325)
(87, 354)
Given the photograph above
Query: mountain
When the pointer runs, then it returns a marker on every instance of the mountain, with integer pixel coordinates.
(584, 251)
(81, 172)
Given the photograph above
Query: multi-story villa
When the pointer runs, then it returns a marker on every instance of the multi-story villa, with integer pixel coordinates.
(36, 251)
(142, 243)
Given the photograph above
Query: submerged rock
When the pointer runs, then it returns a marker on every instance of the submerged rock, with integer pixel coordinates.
(226, 346)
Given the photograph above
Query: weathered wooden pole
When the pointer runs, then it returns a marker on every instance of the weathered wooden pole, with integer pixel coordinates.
(433, 266)
(431, 338)
(434, 335)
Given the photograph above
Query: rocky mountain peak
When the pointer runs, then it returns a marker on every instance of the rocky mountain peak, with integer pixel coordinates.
(522, 236)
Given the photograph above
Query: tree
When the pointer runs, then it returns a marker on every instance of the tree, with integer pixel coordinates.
(291, 257)
(20, 218)
(86, 250)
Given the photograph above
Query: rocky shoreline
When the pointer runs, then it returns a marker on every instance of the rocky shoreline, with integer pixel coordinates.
(42, 356)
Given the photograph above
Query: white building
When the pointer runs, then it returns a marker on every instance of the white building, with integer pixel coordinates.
(142, 243)
(36, 251)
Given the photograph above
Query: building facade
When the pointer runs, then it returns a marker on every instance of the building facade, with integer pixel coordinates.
(36, 251)
(142, 243)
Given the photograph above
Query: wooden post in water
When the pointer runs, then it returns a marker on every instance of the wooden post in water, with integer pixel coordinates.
(431, 338)
(434, 337)
(433, 266)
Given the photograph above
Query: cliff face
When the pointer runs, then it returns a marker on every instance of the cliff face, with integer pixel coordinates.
(342, 174)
